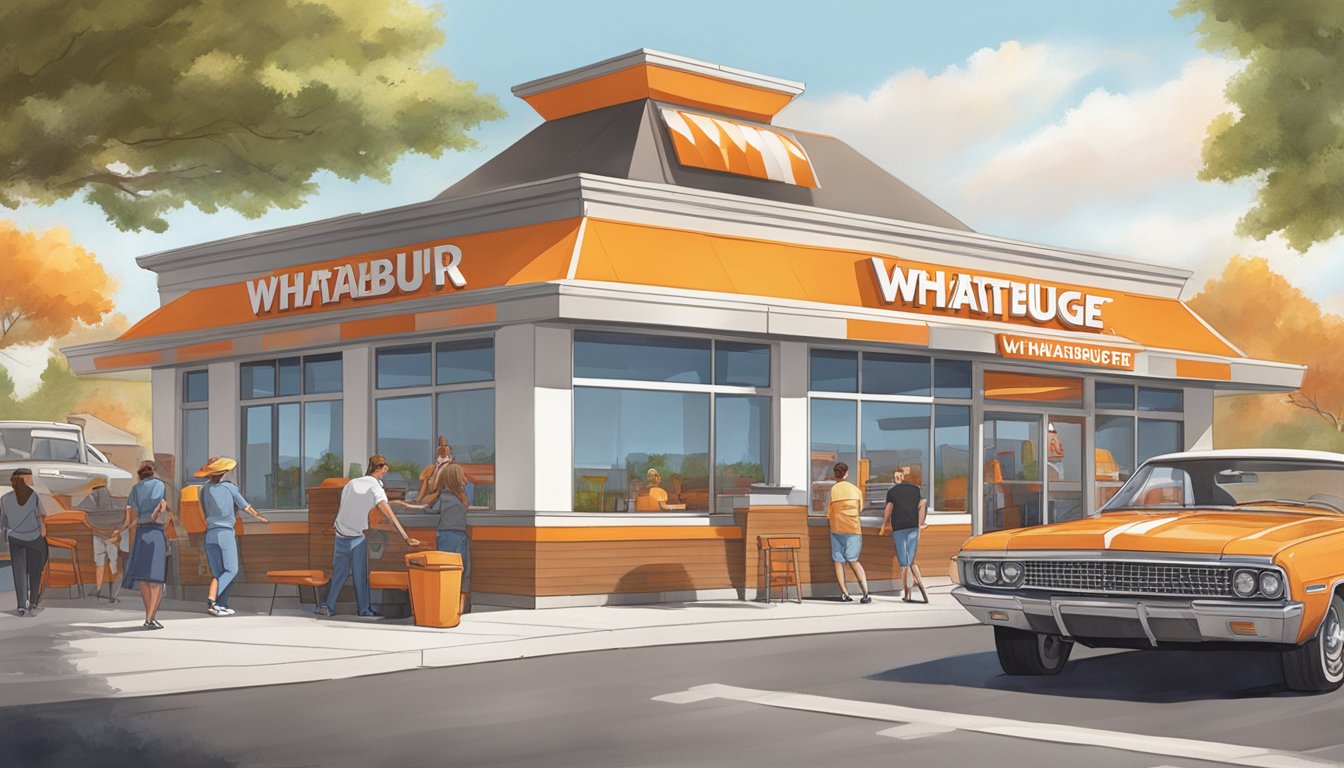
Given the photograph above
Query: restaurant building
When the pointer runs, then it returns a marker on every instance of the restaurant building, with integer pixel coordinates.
(660, 278)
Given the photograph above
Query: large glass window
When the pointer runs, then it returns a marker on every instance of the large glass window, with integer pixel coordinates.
(741, 442)
(195, 449)
(833, 441)
(1114, 455)
(951, 457)
(640, 450)
(834, 371)
(431, 391)
(1031, 388)
(895, 375)
(1158, 436)
(894, 435)
(466, 418)
(1171, 400)
(291, 428)
(195, 387)
(650, 448)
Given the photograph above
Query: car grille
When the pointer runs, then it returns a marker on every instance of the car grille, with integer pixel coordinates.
(1131, 578)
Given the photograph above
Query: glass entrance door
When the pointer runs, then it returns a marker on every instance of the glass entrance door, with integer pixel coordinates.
(1064, 451)
(1013, 490)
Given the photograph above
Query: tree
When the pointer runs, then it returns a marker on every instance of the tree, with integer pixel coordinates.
(1286, 326)
(49, 285)
(150, 105)
(1289, 133)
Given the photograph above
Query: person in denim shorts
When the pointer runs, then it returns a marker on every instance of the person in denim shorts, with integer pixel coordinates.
(905, 515)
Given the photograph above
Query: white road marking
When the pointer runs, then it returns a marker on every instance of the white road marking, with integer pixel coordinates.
(1191, 749)
(915, 731)
(682, 697)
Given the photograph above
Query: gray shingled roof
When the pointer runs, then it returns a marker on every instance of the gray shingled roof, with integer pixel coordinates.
(629, 141)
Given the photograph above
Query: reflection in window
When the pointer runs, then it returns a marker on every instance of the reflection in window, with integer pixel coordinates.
(1114, 455)
(1012, 471)
(258, 450)
(322, 374)
(403, 367)
(834, 371)
(741, 443)
(622, 434)
(322, 442)
(459, 362)
(599, 355)
(832, 441)
(291, 380)
(403, 436)
(257, 380)
(894, 435)
(895, 375)
(1026, 387)
(1157, 437)
(466, 419)
(951, 457)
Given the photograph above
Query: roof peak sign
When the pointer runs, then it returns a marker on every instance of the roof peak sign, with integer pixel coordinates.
(665, 77)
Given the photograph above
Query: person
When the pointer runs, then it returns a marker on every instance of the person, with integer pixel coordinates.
(654, 497)
(904, 516)
(221, 502)
(350, 555)
(1054, 453)
(449, 500)
(146, 509)
(429, 476)
(23, 524)
(842, 512)
(108, 541)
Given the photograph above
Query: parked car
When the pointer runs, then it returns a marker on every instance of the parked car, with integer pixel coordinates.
(62, 463)
(1214, 549)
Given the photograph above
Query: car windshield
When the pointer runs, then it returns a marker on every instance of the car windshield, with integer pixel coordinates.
(38, 444)
(1233, 482)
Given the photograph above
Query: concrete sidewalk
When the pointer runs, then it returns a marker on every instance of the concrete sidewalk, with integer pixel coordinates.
(80, 649)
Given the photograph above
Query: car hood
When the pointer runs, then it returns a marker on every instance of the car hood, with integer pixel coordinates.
(1202, 532)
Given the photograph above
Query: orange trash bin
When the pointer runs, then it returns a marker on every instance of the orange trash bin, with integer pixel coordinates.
(436, 588)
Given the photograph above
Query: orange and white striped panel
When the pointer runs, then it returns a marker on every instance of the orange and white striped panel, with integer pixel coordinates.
(716, 144)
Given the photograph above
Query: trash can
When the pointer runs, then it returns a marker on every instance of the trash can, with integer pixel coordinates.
(436, 587)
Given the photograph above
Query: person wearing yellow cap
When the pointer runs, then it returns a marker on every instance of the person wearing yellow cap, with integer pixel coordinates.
(221, 502)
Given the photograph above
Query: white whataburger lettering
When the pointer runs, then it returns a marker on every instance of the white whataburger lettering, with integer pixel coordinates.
(988, 296)
(361, 280)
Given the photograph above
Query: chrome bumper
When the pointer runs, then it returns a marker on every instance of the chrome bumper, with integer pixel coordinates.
(1102, 618)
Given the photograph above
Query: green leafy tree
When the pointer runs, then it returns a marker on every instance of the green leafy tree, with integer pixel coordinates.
(151, 105)
(1289, 133)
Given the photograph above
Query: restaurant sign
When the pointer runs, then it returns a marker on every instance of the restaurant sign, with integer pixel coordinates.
(360, 280)
(990, 297)
(1057, 351)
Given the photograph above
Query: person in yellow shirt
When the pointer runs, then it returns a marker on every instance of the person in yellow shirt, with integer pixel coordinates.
(654, 498)
(842, 512)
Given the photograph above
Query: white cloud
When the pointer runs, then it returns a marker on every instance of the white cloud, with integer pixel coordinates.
(914, 123)
(25, 363)
(1115, 147)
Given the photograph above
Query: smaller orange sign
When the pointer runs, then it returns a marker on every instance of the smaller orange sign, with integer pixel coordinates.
(1055, 351)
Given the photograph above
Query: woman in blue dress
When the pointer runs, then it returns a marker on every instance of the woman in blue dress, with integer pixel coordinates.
(146, 509)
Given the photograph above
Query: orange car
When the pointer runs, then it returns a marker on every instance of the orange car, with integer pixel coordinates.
(1227, 548)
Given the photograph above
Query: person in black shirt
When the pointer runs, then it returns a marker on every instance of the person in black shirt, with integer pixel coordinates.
(904, 516)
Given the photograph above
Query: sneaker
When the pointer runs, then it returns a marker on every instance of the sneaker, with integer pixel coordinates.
(845, 598)
(23, 611)
(215, 610)
(866, 599)
(34, 609)
(368, 616)
(224, 610)
(322, 610)
(154, 624)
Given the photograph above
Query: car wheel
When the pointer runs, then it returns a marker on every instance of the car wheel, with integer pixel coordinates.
(1031, 653)
(1318, 664)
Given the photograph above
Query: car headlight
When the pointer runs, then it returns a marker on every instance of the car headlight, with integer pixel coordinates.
(1010, 574)
(987, 573)
(1271, 584)
(1244, 583)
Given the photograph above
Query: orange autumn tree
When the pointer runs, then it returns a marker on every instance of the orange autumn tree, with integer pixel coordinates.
(1267, 318)
(49, 285)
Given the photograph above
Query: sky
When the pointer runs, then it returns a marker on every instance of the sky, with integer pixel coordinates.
(1062, 123)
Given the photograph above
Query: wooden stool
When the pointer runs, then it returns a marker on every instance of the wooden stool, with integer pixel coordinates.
(299, 579)
(783, 573)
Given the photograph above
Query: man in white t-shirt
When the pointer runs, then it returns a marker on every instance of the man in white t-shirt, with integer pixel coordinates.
(351, 556)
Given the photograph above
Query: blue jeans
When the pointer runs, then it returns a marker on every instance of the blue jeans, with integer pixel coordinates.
(221, 551)
(350, 557)
(456, 541)
(906, 541)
